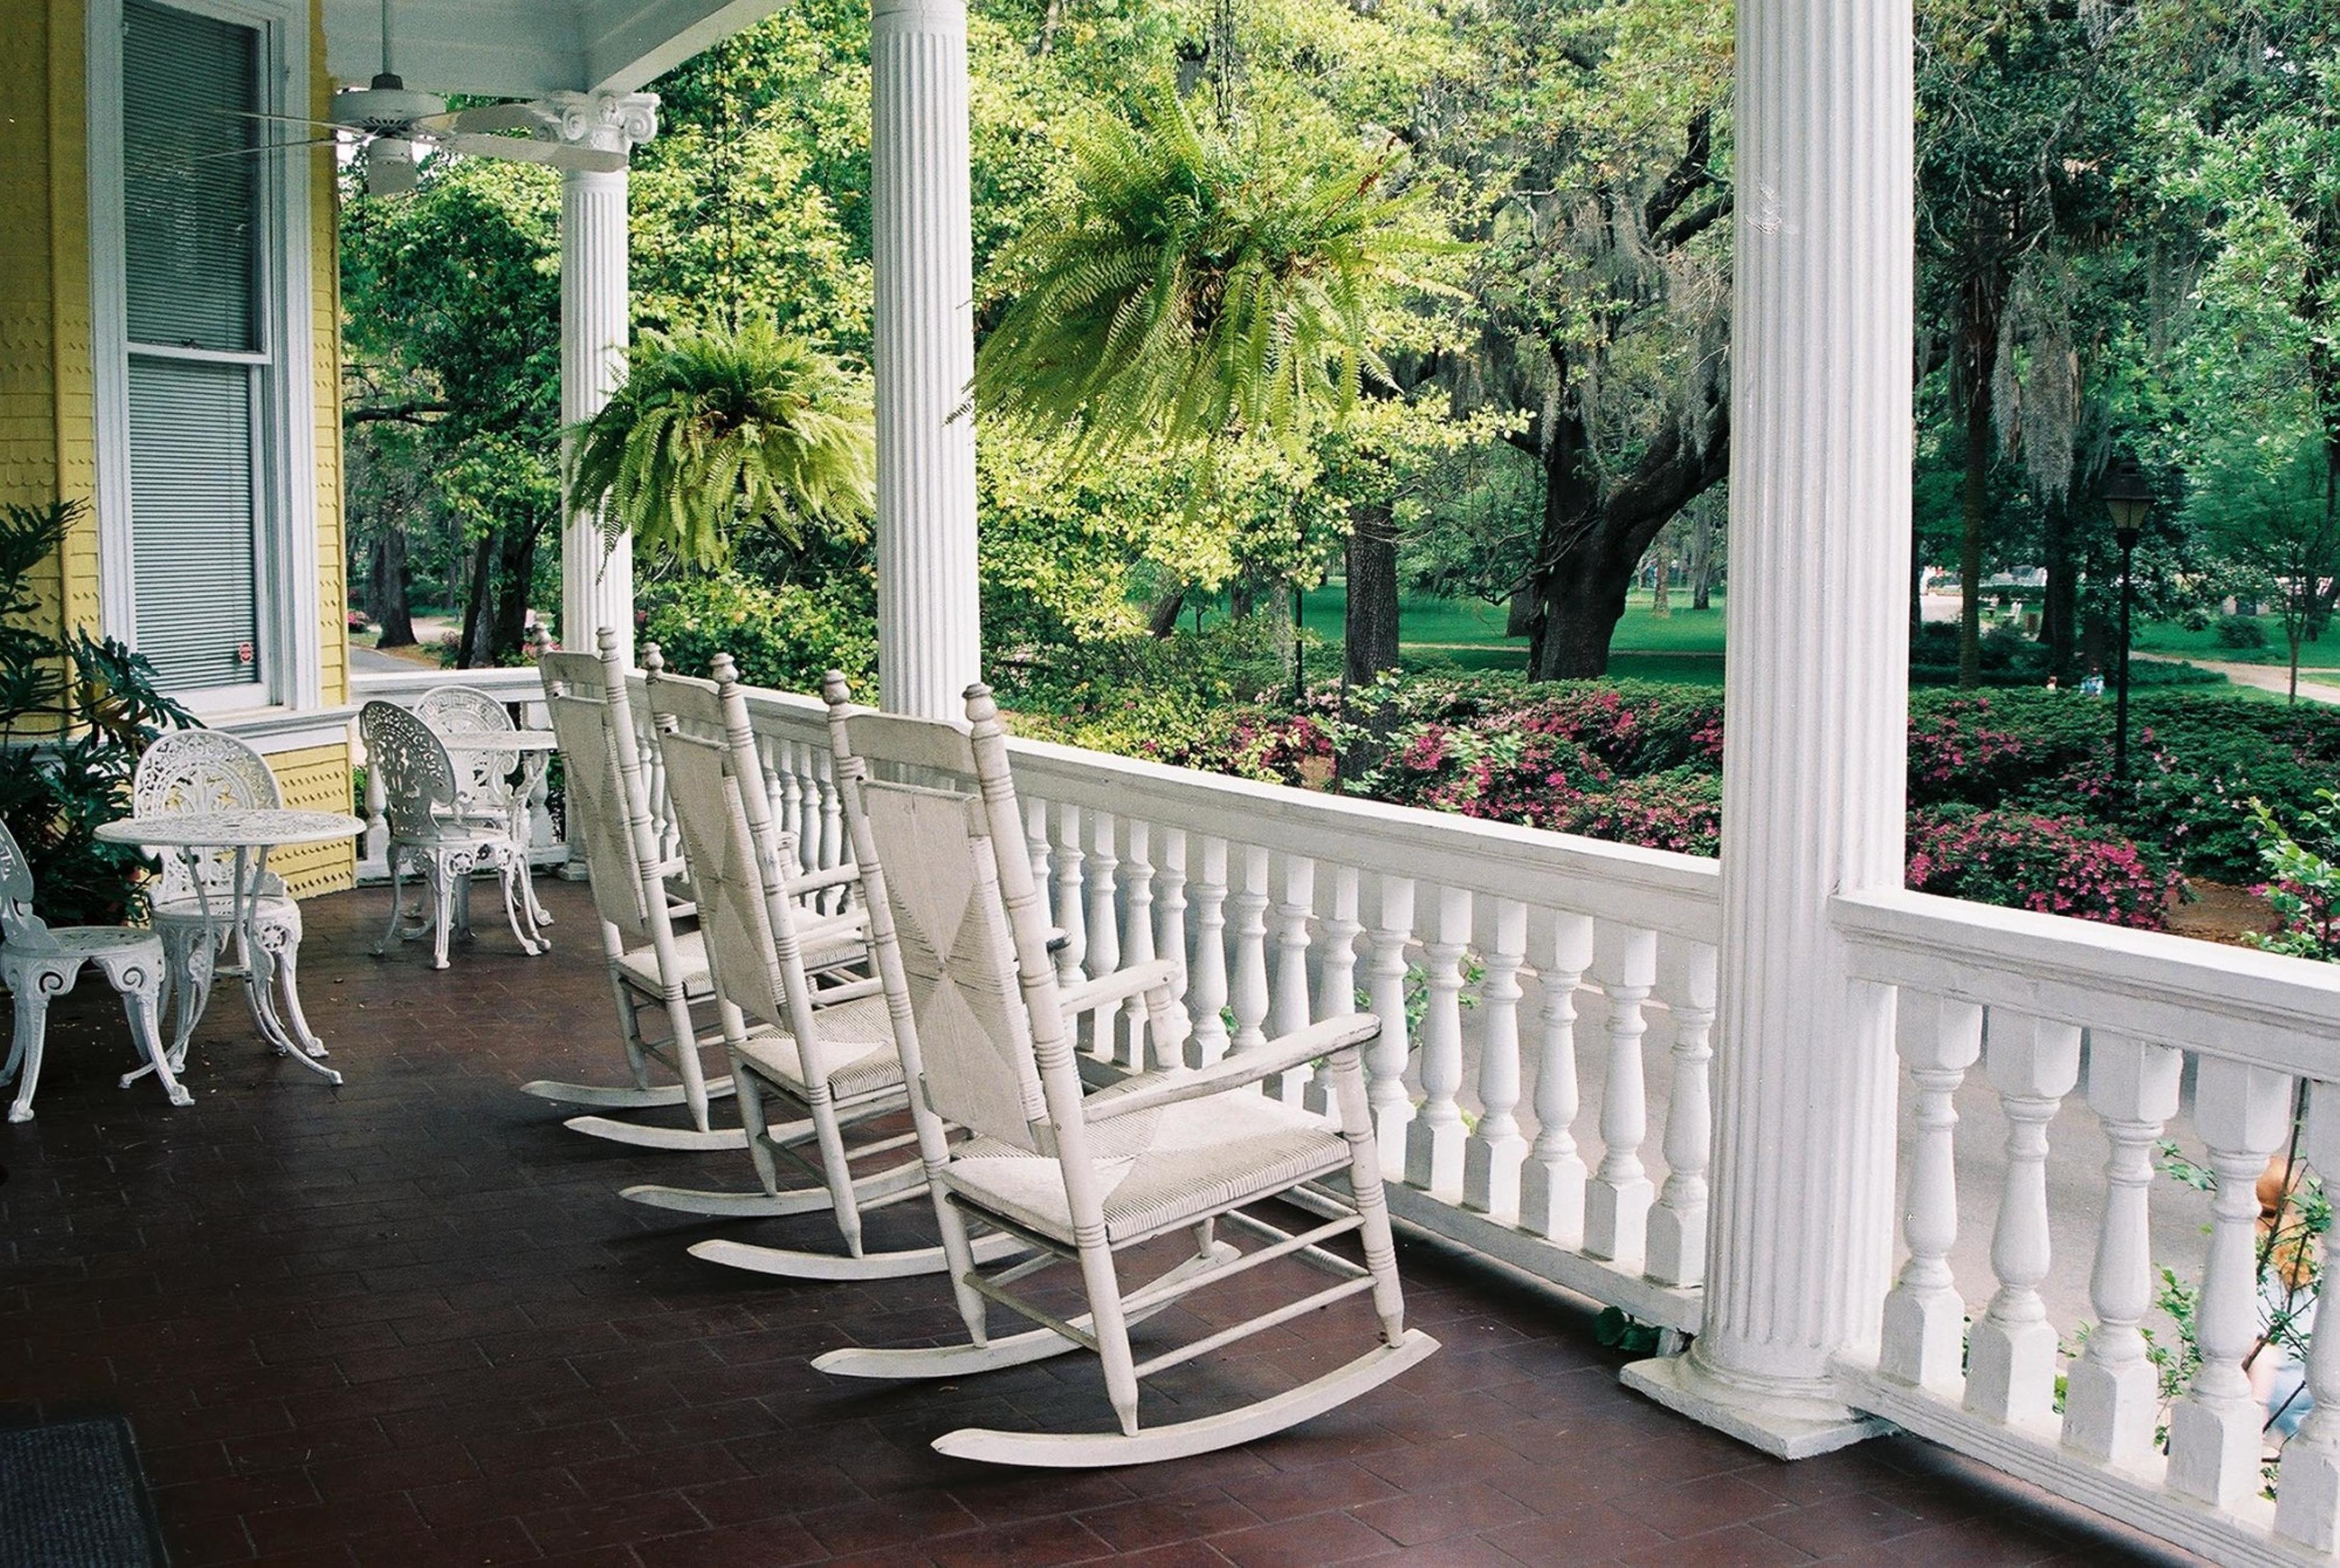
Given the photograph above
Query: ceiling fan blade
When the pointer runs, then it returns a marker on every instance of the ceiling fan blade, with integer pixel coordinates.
(291, 120)
(254, 151)
(515, 116)
(557, 155)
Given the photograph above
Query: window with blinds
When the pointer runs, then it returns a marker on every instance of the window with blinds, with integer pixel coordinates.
(195, 234)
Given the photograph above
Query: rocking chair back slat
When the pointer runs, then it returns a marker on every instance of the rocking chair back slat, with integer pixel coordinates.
(597, 811)
(957, 959)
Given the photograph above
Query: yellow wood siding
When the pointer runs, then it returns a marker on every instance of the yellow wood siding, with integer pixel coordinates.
(48, 416)
(316, 780)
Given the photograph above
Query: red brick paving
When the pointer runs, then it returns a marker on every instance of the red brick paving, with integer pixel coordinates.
(409, 1323)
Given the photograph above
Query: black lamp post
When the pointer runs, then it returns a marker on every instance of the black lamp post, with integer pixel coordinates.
(2127, 498)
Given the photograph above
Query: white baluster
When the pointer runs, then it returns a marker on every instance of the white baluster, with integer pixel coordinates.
(1289, 1010)
(1924, 1338)
(1104, 956)
(1385, 1057)
(1552, 1181)
(789, 807)
(377, 819)
(1434, 1142)
(1138, 941)
(832, 813)
(1035, 834)
(1072, 913)
(2243, 1113)
(2011, 1352)
(1492, 1152)
(1337, 981)
(1170, 903)
(1617, 1199)
(2307, 1489)
(1206, 990)
(1250, 988)
(2112, 1394)
(1677, 1223)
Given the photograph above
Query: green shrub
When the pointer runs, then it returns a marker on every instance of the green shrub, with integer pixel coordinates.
(2056, 865)
(787, 638)
(2303, 883)
(2241, 631)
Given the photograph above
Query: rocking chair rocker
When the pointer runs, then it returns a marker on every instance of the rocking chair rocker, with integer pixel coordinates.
(826, 1051)
(981, 1025)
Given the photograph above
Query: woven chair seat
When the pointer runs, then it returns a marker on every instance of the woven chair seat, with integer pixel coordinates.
(858, 1031)
(1158, 1168)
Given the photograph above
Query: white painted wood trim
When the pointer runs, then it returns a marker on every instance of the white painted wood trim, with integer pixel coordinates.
(291, 651)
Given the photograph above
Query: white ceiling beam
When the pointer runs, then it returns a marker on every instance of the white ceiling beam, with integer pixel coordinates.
(635, 42)
(500, 48)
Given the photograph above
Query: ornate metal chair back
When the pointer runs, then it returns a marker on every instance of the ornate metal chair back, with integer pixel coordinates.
(191, 772)
(485, 775)
(17, 920)
(418, 779)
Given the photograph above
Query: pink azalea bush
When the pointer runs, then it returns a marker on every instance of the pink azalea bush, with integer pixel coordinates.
(2056, 865)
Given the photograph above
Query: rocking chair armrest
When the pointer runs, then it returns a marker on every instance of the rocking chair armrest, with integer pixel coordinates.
(1234, 1072)
(802, 884)
(849, 991)
(1117, 987)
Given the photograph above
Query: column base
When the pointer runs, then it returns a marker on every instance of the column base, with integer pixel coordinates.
(1784, 1426)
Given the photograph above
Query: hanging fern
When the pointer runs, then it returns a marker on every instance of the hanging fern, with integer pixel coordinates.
(1192, 285)
(717, 430)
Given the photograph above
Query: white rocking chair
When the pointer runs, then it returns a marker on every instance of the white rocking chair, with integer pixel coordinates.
(199, 770)
(652, 966)
(826, 1052)
(981, 1024)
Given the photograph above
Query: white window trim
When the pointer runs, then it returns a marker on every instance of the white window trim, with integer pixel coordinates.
(291, 649)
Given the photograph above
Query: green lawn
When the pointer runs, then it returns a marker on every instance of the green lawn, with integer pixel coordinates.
(2168, 637)
(1686, 646)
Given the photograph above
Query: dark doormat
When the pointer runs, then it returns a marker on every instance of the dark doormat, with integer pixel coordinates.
(71, 1497)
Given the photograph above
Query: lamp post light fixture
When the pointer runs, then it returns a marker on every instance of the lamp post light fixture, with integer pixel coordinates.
(2127, 498)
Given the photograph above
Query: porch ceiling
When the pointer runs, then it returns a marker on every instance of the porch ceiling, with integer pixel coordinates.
(525, 48)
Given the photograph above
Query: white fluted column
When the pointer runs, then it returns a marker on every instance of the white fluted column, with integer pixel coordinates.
(1816, 707)
(596, 583)
(929, 641)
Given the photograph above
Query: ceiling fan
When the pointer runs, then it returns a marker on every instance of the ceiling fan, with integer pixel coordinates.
(396, 124)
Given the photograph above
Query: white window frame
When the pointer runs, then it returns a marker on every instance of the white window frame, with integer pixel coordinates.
(290, 655)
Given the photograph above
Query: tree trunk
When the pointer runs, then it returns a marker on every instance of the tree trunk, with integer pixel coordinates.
(387, 588)
(474, 650)
(1369, 630)
(1702, 559)
(1661, 600)
(1163, 618)
(515, 576)
(1584, 609)
(1973, 495)
(2059, 605)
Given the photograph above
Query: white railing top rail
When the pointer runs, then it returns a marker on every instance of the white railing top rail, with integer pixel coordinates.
(1650, 890)
(517, 684)
(2262, 1008)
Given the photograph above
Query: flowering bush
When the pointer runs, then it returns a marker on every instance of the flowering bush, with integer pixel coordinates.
(2303, 884)
(2056, 865)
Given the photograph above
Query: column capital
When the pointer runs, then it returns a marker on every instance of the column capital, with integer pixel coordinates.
(920, 16)
(605, 122)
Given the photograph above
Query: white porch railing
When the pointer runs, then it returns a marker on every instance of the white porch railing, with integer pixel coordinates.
(2036, 999)
(1474, 941)
(520, 691)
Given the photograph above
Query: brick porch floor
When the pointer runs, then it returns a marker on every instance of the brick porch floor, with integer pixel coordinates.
(409, 1322)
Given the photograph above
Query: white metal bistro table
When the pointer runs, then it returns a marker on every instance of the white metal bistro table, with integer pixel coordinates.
(250, 835)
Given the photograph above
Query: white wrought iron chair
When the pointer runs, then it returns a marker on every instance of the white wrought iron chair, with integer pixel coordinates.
(39, 961)
(826, 1052)
(428, 834)
(491, 786)
(982, 1026)
(192, 771)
